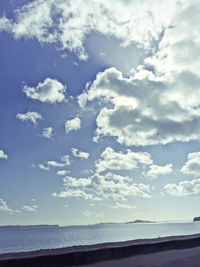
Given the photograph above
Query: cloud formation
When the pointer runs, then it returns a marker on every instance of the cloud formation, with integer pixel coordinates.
(49, 91)
(47, 132)
(72, 125)
(140, 111)
(4, 206)
(112, 160)
(62, 172)
(65, 161)
(79, 154)
(3, 155)
(192, 165)
(156, 170)
(98, 187)
(30, 116)
(185, 188)
(68, 23)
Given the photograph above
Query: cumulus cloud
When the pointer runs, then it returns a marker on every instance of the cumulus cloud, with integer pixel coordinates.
(47, 132)
(88, 213)
(192, 166)
(156, 170)
(112, 160)
(30, 116)
(140, 112)
(30, 208)
(79, 154)
(185, 188)
(67, 23)
(98, 186)
(49, 91)
(3, 155)
(72, 125)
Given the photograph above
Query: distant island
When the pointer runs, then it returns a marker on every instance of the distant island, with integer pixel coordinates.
(141, 221)
(196, 219)
(29, 226)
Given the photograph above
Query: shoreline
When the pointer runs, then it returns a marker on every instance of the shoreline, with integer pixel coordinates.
(91, 254)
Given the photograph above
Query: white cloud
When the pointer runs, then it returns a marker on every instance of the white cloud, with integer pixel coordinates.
(47, 132)
(156, 170)
(62, 172)
(65, 161)
(192, 166)
(179, 48)
(185, 188)
(49, 91)
(79, 154)
(30, 116)
(4, 206)
(72, 125)
(3, 155)
(111, 160)
(98, 186)
(46, 165)
(123, 206)
(30, 208)
(73, 193)
(68, 23)
(5, 24)
(52, 163)
(88, 213)
(140, 111)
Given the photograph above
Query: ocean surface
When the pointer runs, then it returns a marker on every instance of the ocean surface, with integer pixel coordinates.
(28, 239)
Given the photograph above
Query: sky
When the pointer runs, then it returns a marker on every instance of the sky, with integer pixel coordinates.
(99, 111)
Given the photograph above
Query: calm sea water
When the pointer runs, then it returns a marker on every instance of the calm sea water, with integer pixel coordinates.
(27, 239)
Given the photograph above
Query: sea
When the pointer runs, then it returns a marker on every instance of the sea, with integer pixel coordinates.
(21, 239)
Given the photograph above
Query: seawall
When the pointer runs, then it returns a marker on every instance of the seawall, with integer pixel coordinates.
(82, 255)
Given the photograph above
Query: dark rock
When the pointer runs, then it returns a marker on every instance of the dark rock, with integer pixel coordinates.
(196, 219)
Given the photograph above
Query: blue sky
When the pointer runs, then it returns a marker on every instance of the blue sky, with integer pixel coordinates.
(99, 111)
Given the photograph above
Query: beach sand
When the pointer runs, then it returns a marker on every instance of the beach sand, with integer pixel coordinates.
(169, 251)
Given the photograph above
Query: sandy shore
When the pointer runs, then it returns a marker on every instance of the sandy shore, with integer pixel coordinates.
(171, 251)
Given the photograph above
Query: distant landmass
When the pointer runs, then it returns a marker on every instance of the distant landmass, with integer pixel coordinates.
(196, 219)
(141, 221)
(29, 226)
